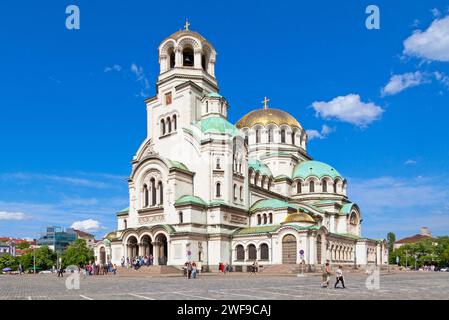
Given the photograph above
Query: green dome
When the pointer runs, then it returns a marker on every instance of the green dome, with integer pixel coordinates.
(214, 95)
(258, 166)
(314, 168)
(218, 125)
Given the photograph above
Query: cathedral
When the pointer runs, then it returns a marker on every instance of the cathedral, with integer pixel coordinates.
(204, 189)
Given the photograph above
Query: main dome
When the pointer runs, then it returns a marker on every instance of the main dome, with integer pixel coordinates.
(267, 116)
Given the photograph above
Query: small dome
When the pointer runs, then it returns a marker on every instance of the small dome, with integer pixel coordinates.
(317, 169)
(182, 33)
(267, 116)
(218, 125)
(299, 217)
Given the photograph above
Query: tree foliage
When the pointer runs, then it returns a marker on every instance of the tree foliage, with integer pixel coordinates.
(77, 254)
(8, 261)
(45, 258)
(425, 252)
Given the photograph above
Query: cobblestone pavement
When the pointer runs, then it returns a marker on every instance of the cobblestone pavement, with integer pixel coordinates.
(409, 285)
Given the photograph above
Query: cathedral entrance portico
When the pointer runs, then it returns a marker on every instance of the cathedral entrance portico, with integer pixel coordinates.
(146, 246)
(160, 249)
(132, 247)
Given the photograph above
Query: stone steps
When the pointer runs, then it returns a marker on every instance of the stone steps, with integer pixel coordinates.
(148, 271)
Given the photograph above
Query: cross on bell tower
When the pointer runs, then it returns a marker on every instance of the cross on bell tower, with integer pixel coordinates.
(187, 25)
(265, 103)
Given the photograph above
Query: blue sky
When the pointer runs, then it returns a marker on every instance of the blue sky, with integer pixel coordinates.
(375, 102)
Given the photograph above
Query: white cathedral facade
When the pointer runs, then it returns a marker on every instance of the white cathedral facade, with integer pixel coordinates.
(203, 189)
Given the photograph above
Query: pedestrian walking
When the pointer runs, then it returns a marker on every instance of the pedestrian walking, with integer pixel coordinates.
(326, 276)
(339, 274)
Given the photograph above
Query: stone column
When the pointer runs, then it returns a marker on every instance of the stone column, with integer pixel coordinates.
(178, 57)
(156, 253)
(197, 59)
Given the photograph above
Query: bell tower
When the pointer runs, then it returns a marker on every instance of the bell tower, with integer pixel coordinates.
(186, 78)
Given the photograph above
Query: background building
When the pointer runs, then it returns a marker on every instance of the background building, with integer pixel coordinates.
(424, 234)
(57, 238)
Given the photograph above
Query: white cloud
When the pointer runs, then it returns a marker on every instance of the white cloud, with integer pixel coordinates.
(435, 12)
(315, 134)
(140, 77)
(401, 82)
(115, 67)
(442, 78)
(9, 216)
(75, 181)
(410, 162)
(432, 44)
(348, 109)
(88, 225)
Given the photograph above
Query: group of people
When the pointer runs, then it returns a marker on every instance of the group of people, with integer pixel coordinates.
(191, 269)
(100, 269)
(224, 268)
(137, 262)
(327, 275)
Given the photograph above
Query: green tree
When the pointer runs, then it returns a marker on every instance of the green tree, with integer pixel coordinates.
(391, 239)
(45, 258)
(8, 261)
(77, 254)
(23, 245)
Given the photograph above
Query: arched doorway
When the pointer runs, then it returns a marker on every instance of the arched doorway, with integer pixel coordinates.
(289, 249)
(146, 245)
(102, 255)
(133, 248)
(162, 249)
(318, 249)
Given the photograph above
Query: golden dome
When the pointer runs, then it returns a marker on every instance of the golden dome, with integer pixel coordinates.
(299, 217)
(267, 116)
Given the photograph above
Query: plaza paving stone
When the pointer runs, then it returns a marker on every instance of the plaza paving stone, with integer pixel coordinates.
(401, 285)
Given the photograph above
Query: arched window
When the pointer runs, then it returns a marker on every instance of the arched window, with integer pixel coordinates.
(256, 179)
(240, 252)
(175, 122)
(153, 191)
(168, 125)
(259, 220)
(335, 187)
(246, 138)
(293, 138)
(218, 189)
(270, 135)
(162, 127)
(252, 252)
(264, 252)
(241, 193)
(181, 217)
(207, 106)
(145, 196)
(203, 62)
(299, 187)
(324, 183)
(235, 192)
(188, 57)
(125, 222)
(265, 219)
(283, 135)
(161, 192)
(312, 186)
(270, 218)
(257, 136)
(172, 59)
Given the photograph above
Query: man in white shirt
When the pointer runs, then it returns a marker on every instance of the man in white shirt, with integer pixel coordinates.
(339, 274)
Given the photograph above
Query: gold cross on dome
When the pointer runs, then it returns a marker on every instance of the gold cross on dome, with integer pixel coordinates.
(187, 25)
(265, 103)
